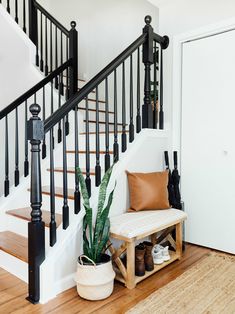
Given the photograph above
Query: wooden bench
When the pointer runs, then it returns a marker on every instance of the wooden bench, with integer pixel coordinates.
(130, 227)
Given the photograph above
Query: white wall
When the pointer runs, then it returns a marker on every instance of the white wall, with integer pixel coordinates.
(16, 57)
(105, 27)
(181, 16)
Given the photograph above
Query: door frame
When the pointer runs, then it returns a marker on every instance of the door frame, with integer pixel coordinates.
(178, 41)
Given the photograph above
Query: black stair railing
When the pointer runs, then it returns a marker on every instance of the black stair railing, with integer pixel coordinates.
(17, 9)
(64, 76)
(125, 109)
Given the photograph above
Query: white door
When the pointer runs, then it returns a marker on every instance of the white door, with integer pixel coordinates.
(208, 140)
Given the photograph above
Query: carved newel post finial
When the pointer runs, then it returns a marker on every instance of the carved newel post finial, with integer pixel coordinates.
(148, 19)
(35, 109)
(73, 24)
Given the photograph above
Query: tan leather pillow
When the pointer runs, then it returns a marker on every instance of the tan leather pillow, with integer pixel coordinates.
(148, 190)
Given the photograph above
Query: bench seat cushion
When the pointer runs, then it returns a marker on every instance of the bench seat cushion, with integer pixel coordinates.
(131, 225)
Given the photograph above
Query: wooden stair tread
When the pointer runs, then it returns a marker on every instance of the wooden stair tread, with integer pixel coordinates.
(72, 170)
(24, 213)
(58, 192)
(84, 152)
(14, 244)
(103, 122)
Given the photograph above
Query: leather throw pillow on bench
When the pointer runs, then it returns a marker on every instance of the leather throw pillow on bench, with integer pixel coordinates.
(148, 191)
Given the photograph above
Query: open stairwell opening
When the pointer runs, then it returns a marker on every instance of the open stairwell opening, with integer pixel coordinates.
(64, 123)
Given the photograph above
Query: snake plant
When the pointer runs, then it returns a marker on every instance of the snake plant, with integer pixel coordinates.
(95, 238)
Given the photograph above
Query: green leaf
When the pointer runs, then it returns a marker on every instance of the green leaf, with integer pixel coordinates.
(100, 226)
(103, 189)
(84, 191)
(88, 220)
(102, 197)
(104, 239)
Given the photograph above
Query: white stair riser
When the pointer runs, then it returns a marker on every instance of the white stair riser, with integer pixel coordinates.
(14, 266)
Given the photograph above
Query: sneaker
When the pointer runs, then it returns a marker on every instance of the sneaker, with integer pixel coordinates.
(158, 248)
(165, 254)
(157, 257)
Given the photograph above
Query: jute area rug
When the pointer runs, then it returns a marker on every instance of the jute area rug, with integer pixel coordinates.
(207, 287)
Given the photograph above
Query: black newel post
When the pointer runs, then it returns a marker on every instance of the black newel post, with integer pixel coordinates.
(36, 228)
(73, 54)
(147, 110)
(33, 26)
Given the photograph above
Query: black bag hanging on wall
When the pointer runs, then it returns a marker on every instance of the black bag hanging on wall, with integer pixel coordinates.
(175, 177)
(170, 186)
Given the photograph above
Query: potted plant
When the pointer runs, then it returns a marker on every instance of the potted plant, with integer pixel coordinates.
(95, 274)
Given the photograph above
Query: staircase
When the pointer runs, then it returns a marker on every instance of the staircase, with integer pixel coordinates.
(67, 123)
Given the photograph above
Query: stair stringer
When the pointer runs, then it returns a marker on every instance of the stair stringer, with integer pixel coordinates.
(145, 154)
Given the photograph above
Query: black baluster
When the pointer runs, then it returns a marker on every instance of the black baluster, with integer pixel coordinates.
(138, 117)
(6, 183)
(67, 69)
(26, 161)
(8, 6)
(124, 139)
(65, 182)
(161, 112)
(131, 125)
(88, 179)
(61, 62)
(37, 40)
(107, 155)
(17, 173)
(44, 148)
(33, 25)
(52, 110)
(51, 48)
(56, 56)
(52, 194)
(115, 144)
(67, 125)
(77, 206)
(36, 227)
(97, 132)
(24, 17)
(154, 89)
(59, 125)
(46, 48)
(16, 12)
(73, 54)
(155, 105)
(41, 46)
(147, 112)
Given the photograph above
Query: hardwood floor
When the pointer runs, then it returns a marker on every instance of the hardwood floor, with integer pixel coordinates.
(13, 291)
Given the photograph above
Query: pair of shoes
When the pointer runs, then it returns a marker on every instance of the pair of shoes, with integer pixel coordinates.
(143, 258)
(160, 254)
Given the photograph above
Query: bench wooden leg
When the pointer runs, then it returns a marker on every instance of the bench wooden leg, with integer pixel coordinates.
(179, 239)
(154, 238)
(130, 279)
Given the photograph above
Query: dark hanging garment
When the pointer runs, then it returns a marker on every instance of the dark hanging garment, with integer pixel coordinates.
(176, 183)
(170, 186)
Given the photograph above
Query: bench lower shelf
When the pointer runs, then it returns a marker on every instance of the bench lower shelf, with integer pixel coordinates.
(174, 256)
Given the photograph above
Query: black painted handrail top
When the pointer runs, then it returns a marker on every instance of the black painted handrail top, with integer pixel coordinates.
(162, 40)
(34, 89)
(60, 113)
(52, 19)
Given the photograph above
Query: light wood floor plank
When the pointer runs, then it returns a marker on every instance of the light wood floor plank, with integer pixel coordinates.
(13, 292)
